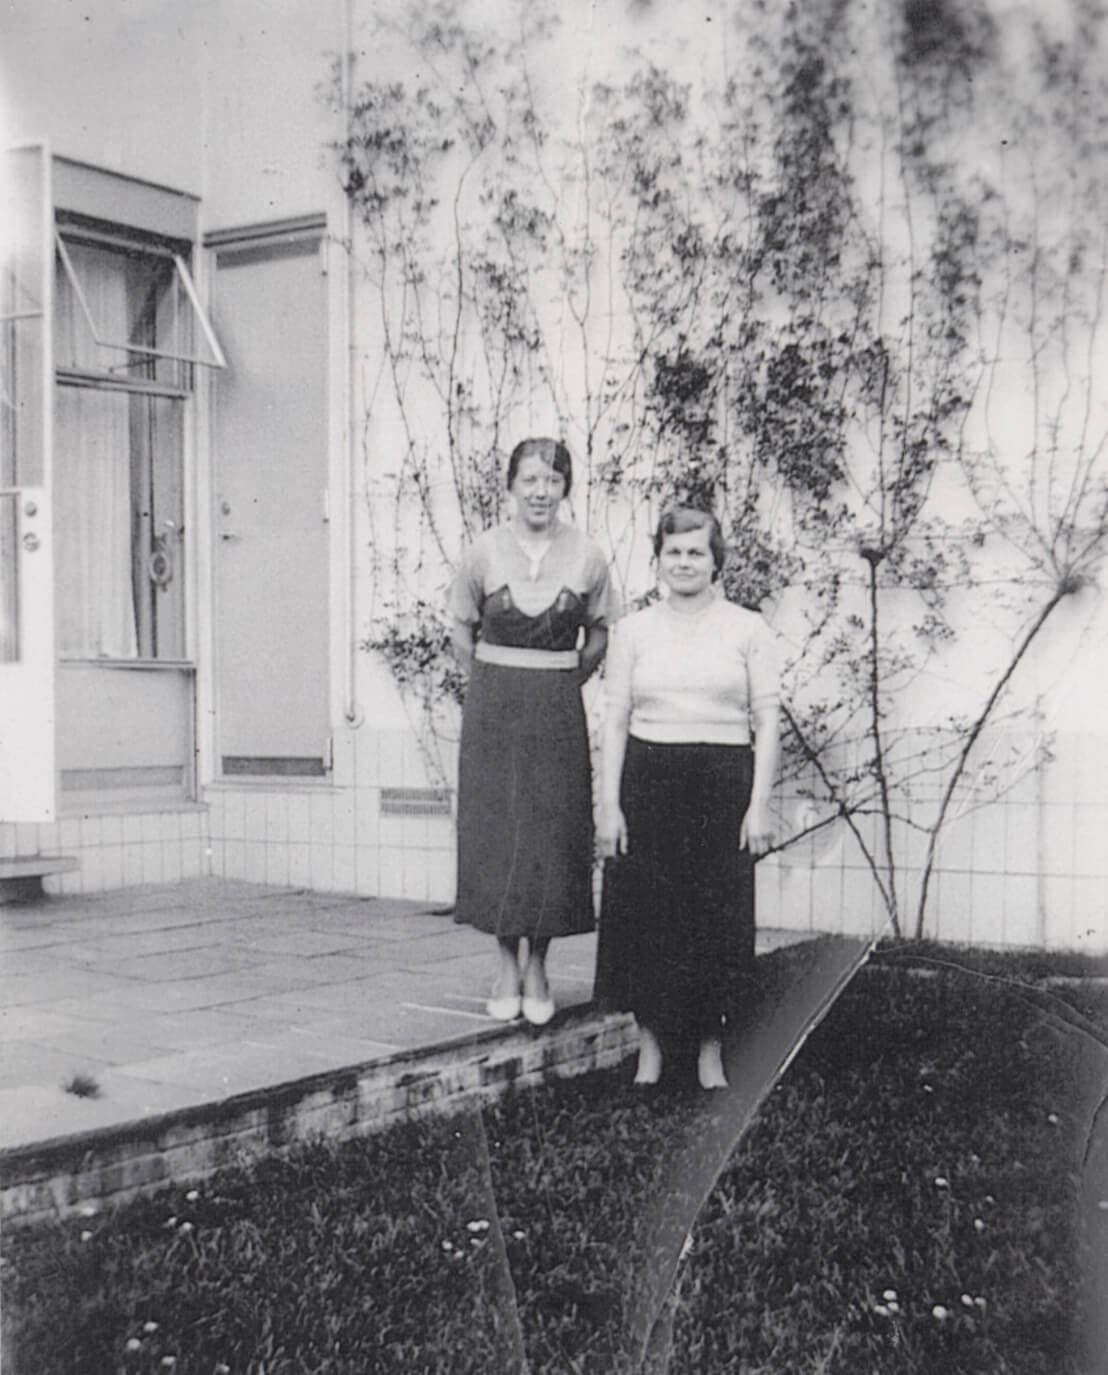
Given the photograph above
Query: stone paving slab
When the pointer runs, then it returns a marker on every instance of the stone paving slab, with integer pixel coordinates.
(215, 986)
(199, 1009)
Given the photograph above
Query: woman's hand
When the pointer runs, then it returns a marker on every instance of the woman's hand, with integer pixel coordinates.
(756, 831)
(611, 831)
(592, 651)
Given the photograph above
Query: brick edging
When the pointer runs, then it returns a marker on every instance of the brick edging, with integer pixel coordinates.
(109, 1165)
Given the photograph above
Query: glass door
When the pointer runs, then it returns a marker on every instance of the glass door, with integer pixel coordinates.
(27, 750)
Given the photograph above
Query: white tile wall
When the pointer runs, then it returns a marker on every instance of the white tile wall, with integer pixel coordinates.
(367, 870)
(344, 870)
(254, 864)
(321, 865)
(277, 865)
(276, 819)
(953, 898)
(255, 818)
(1021, 910)
(1088, 913)
(300, 868)
(1015, 872)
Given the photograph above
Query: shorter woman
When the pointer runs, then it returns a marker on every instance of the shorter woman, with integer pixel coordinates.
(684, 801)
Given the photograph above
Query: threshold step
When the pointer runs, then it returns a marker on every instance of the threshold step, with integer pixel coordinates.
(37, 866)
(21, 876)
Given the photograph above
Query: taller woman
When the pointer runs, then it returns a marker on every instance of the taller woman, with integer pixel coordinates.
(531, 604)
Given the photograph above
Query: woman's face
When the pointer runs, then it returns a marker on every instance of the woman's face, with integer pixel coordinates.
(538, 491)
(685, 564)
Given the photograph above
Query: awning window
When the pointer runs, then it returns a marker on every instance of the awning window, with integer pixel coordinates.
(129, 311)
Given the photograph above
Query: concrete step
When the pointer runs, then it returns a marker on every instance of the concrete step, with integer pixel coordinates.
(21, 876)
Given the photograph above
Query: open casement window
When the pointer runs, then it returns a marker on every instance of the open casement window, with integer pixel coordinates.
(129, 310)
(129, 332)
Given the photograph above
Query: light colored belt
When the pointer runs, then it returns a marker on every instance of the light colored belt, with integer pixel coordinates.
(512, 656)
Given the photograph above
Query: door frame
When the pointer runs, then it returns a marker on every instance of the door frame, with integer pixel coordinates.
(341, 640)
(28, 768)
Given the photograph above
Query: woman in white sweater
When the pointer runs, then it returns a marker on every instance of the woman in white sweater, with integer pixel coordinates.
(692, 684)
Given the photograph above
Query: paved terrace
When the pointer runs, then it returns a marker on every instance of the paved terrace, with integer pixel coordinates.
(217, 1020)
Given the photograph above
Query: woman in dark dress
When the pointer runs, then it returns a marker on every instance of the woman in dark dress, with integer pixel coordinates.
(531, 603)
(691, 680)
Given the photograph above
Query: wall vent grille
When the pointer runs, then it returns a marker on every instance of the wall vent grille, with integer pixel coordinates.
(415, 801)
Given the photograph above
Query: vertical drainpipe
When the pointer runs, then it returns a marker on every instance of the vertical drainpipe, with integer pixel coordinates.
(352, 711)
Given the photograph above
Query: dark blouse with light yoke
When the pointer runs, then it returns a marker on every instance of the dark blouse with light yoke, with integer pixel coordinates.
(512, 599)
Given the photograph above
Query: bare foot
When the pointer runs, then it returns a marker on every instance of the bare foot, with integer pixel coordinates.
(649, 1068)
(709, 1066)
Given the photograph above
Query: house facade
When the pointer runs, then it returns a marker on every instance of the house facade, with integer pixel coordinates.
(184, 527)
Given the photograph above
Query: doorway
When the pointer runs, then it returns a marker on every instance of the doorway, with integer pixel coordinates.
(270, 522)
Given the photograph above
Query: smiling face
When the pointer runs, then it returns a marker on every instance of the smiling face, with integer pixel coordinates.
(686, 564)
(537, 490)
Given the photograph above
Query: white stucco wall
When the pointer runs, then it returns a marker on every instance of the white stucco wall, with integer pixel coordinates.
(220, 98)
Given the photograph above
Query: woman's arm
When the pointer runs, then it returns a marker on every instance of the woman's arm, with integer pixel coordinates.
(611, 829)
(756, 831)
(592, 651)
(463, 641)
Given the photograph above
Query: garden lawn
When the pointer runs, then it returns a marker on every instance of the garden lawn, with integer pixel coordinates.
(915, 1195)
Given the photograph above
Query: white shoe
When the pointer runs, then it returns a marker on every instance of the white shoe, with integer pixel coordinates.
(504, 1009)
(538, 1011)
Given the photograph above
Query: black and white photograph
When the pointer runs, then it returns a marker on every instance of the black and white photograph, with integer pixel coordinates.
(553, 687)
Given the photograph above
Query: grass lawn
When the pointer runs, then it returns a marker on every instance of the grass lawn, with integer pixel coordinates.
(916, 1194)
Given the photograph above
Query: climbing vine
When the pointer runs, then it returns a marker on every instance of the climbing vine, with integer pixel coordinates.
(778, 287)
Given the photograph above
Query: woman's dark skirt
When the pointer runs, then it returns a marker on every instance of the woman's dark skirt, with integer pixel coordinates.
(525, 834)
(676, 944)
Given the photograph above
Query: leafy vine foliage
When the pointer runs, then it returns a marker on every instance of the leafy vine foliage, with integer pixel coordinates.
(780, 287)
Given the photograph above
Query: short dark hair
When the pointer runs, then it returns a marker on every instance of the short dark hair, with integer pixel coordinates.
(551, 451)
(679, 520)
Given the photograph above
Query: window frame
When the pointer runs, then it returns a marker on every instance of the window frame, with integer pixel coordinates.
(65, 226)
(127, 239)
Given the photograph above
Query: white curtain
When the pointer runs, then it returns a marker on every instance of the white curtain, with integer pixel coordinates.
(92, 475)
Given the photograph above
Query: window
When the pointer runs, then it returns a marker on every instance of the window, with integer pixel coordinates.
(128, 334)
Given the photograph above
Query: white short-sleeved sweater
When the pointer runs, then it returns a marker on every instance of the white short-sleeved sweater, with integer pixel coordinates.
(692, 677)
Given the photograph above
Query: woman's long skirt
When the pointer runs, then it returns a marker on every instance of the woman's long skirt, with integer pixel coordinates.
(525, 831)
(676, 942)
